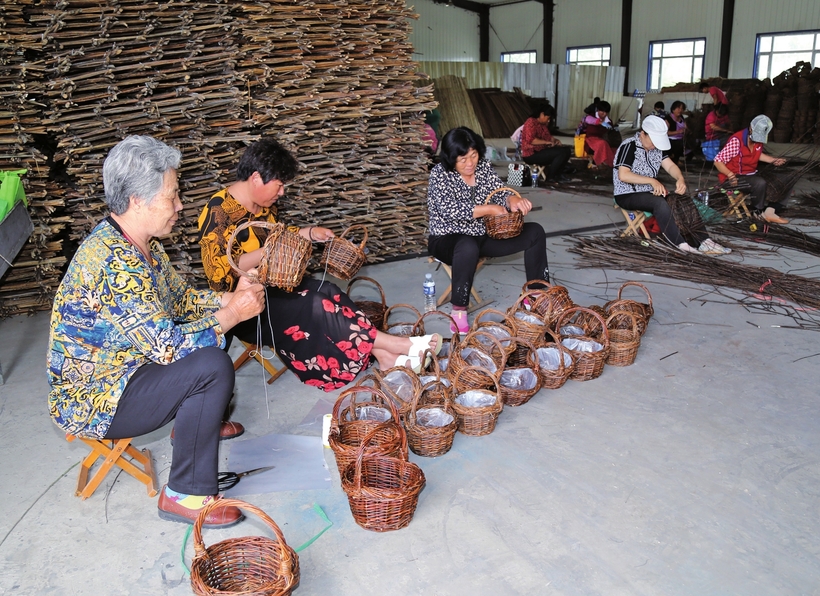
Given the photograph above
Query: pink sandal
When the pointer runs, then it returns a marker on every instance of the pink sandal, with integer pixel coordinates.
(462, 323)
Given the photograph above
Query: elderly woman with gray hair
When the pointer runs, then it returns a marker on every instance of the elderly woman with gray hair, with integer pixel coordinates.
(133, 346)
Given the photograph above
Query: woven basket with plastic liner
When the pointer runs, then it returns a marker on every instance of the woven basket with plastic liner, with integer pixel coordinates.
(517, 384)
(400, 384)
(500, 329)
(436, 386)
(477, 409)
(430, 427)
(526, 324)
(402, 328)
(343, 258)
(382, 491)
(285, 256)
(584, 322)
(473, 353)
(623, 341)
(550, 301)
(419, 328)
(374, 311)
(246, 566)
(556, 363)
(589, 359)
(353, 419)
(506, 225)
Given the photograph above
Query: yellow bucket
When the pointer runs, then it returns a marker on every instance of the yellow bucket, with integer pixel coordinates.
(579, 146)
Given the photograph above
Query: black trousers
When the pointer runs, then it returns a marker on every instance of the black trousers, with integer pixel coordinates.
(195, 391)
(554, 157)
(657, 206)
(463, 252)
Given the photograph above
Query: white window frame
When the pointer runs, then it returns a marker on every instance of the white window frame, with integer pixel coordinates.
(522, 57)
(768, 52)
(604, 60)
(656, 61)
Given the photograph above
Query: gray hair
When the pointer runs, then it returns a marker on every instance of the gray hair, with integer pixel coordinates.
(135, 167)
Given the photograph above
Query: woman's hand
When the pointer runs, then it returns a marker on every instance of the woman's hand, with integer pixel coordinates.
(248, 300)
(519, 204)
(779, 162)
(490, 209)
(680, 186)
(658, 189)
(317, 233)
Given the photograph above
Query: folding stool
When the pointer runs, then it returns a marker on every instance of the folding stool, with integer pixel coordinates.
(115, 452)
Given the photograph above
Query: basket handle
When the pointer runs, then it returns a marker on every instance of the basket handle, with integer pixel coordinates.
(363, 227)
(470, 336)
(571, 311)
(561, 350)
(624, 313)
(532, 356)
(285, 560)
(371, 280)
(418, 328)
(239, 228)
(518, 305)
(640, 285)
(491, 311)
(401, 305)
(526, 287)
(481, 370)
(350, 393)
(498, 190)
(363, 447)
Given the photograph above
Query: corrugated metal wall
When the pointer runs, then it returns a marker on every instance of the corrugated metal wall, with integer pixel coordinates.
(673, 20)
(515, 28)
(578, 86)
(536, 80)
(587, 23)
(444, 32)
(754, 16)
(478, 74)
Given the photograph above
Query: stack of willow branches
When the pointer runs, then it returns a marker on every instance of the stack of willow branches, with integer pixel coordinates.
(654, 258)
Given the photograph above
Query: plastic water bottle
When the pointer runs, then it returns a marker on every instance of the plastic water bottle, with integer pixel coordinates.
(429, 293)
(534, 179)
(704, 197)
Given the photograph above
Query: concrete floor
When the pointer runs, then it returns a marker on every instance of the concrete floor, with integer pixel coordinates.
(694, 471)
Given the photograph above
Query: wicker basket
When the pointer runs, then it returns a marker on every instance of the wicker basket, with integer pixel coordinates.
(285, 256)
(629, 306)
(471, 378)
(554, 378)
(347, 430)
(430, 441)
(401, 385)
(438, 390)
(501, 330)
(374, 311)
(476, 421)
(246, 566)
(623, 342)
(527, 324)
(447, 342)
(382, 491)
(402, 329)
(644, 310)
(507, 225)
(588, 365)
(342, 258)
(550, 302)
(516, 396)
(587, 320)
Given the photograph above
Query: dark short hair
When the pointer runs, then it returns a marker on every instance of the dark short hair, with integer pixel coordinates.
(676, 104)
(458, 142)
(603, 106)
(270, 159)
(704, 86)
(545, 108)
(659, 105)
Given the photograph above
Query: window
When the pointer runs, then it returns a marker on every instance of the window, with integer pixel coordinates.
(777, 52)
(675, 61)
(525, 57)
(589, 55)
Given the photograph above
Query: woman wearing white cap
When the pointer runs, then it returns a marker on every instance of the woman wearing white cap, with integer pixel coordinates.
(637, 163)
(739, 157)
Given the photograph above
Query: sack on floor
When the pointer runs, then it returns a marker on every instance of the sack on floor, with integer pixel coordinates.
(651, 225)
(518, 175)
(710, 149)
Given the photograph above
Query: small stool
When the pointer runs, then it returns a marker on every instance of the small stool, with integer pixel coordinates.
(254, 351)
(476, 301)
(736, 204)
(634, 223)
(116, 452)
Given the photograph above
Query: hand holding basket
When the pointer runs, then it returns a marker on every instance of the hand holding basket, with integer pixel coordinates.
(342, 258)
(506, 225)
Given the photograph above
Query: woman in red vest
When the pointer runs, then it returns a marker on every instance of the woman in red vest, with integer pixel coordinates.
(740, 156)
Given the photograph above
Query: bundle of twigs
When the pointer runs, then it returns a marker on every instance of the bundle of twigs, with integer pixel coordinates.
(631, 254)
(686, 217)
(780, 180)
(769, 233)
(805, 205)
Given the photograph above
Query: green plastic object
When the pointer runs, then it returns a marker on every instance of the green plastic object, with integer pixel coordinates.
(11, 191)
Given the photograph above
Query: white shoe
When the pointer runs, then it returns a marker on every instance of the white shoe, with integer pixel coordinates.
(411, 362)
(684, 247)
(419, 343)
(710, 247)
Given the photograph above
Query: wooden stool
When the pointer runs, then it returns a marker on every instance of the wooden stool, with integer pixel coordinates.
(634, 223)
(736, 204)
(476, 301)
(254, 351)
(116, 452)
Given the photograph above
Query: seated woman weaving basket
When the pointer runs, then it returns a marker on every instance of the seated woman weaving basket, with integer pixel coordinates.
(456, 194)
(133, 346)
(317, 330)
(637, 163)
